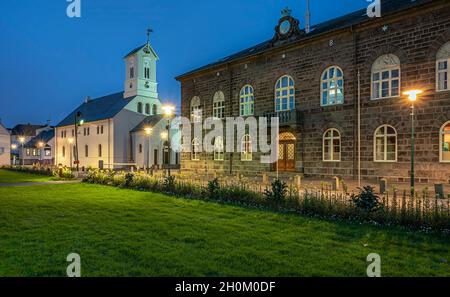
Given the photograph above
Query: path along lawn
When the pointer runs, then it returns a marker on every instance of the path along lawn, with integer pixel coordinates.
(128, 233)
(9, 177)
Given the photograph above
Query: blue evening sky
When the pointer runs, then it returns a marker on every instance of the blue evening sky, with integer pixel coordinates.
(49, 63)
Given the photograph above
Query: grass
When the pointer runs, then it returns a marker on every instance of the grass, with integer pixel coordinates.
(121, 232)
(9, 177)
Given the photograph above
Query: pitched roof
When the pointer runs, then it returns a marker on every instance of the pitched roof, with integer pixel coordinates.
(150, 121)
(44, 136)
(139, 48)
(387, 7)
(98, 109)
(26, 129)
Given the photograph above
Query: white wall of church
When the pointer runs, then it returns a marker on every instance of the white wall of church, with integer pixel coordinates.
(93, 145)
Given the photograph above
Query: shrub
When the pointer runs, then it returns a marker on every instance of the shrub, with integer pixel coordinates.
(63, 173)
(213, 187)
(367, 200)
(129, 176)
(278, 192)
(169, 184)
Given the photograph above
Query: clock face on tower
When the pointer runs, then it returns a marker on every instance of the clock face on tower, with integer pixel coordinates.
(285, 27)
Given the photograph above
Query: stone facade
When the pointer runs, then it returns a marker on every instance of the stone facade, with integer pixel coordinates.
(414, 35)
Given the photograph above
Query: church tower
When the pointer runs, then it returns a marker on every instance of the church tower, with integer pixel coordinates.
(140, 76)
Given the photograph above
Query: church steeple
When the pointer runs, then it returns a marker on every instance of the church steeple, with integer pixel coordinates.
(141, 71)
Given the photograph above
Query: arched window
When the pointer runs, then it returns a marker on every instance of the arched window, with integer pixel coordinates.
(63, 151)
(139, 107)
(385, 144)
(195, 153)
(196, 112)
(443, 69)
(147, 108)
(332, 145)
(99, 150)
(154, 109)
(219, 105)
(386, 77)
(247, 101)
(218, 149)
(284, 94)
(445, 143)
(146, 68)
(246, 148)
(86, 151)
(332, 86)
(140, 148)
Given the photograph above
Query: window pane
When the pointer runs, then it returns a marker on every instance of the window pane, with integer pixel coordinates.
(395, 73)
(385, 75)
(376, 76)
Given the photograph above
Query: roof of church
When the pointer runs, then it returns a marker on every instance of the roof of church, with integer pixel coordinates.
(98, 109)
(26, 129)
(150, 121)
(139, 48)
(357, 17)
(44, 136)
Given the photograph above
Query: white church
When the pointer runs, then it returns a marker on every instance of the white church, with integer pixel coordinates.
(121, 130)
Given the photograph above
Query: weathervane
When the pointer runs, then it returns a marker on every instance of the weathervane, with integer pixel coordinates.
(147, 47)
(286, 12)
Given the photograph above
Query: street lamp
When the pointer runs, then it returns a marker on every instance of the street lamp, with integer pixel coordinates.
(14, 147)
(148, 132)
(40, 145)
(168, 111)
(412, 97)
(22, 140)
(71, 150)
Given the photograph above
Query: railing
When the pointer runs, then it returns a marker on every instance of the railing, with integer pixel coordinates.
(289, 117)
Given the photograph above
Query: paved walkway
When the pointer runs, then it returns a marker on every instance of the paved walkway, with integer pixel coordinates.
(40, 183)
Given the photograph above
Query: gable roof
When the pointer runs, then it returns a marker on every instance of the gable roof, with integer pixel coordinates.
(98, 109)
(139, 48)
(150, 121)
(44, 136)
(387, 7)
(26, 129)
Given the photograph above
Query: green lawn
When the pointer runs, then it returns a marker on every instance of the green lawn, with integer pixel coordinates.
(128, 233)
(9, 177)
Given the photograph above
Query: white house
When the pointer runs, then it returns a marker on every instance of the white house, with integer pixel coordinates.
(99, 130)
(40, 149)
(20, 135)
(5, 146)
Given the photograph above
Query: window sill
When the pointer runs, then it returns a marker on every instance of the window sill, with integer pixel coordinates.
(383, 98)
(385, 161)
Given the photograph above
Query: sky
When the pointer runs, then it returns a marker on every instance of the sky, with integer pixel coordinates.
(49, 62)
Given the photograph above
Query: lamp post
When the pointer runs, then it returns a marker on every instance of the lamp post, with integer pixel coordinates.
(71, 150)
(40, 146)
(14, 147)
(168, 111)
(148, 132)
(22, 140)
(78, 122)
(412, 96)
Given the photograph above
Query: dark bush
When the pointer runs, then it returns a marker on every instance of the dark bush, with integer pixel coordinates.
(367, 200)
(278, 191)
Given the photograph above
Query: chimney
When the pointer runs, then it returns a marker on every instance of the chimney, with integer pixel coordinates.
(308, 18)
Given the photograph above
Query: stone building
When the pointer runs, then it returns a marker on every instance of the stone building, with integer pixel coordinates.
(318, 80)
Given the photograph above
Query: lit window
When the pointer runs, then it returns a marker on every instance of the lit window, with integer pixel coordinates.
(196, 112)
(47, 152)
(195, 154)
(443, 69)
(246, 148)
(284, 94)
(247, 101)
(332, 86)
(385, 144)
(445, 142)
(386, 77)
(218, 149)
(219, 105)
(331, 145)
